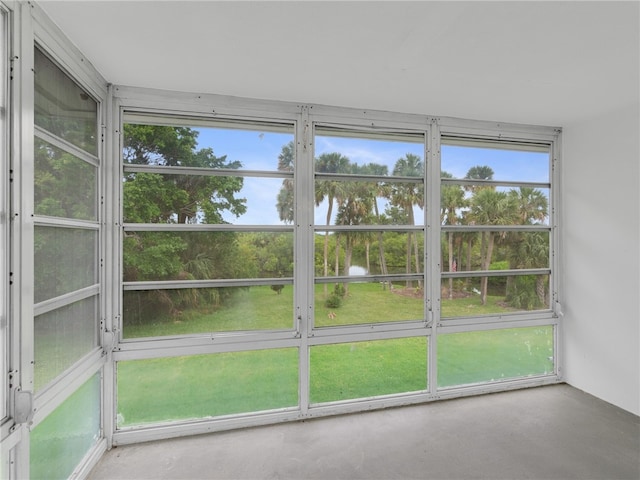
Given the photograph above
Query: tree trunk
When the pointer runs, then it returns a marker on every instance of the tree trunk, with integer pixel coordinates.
(348, 251)
(326, 246)
(484, 282)
(450, 244)
(469, 246)
(417, 257)
(367, 246)
(383, 262)
(408, 260)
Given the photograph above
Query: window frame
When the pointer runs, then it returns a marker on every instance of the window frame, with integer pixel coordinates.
(210, 107)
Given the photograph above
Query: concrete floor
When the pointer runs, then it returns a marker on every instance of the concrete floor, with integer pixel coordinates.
(553, 432)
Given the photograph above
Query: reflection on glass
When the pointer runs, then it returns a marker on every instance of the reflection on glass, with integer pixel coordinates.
(62, 337)
(341, 253)
(150, 256)
(65, 260)
(62, 107)
(65, 186)
(201, 310)
(365, 369)
(462, 251)
(372, 302)
(471, 296)
(494, 355)
(493, 162)
(61, 440)
(182, 388)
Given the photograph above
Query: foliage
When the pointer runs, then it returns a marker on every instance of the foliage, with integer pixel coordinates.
(285, 203)
(522, 293)
(176, 198)
(333, 301)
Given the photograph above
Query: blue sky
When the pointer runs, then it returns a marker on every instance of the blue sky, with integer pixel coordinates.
(259, 150)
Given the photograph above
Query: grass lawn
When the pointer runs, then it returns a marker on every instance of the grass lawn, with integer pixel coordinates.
(200, 386)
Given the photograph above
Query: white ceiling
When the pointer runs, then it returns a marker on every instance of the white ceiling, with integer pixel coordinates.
(549, 63)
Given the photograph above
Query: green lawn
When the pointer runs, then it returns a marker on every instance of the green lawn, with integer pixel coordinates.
(200, 386)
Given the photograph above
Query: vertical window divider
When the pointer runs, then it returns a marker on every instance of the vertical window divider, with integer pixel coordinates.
(110, 275)
(433, 252)
(304, 247)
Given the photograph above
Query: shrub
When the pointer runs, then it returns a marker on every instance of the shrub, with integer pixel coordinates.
(334, 301)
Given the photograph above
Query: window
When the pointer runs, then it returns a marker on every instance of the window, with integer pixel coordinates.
(66, 258)
(284, 261)
(369, 227)
(496, 235)
(207, 240)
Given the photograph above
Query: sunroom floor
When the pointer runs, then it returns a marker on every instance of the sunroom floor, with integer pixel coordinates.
(552, 432)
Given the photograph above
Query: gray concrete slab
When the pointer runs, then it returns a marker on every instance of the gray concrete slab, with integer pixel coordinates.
(553, 432)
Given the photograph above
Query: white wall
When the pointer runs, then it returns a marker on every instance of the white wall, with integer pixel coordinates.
(601, 242)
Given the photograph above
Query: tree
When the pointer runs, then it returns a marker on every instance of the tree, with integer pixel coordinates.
(331, 191)
(285, 201)
(173, 199)
(405, 195)
(354, 210)
(529, 250)
(477, 172)
(451, 201)
(491, 207)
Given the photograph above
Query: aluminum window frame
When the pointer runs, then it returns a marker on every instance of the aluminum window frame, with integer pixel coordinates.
(185, 118)
(33, 29)
(145, 103)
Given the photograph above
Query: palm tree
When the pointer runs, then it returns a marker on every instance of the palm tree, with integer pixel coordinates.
(331, 191)
(532, 205)
(405, 196)
(451, 200)
(490, 207)
(354, 210)
(479, 172)
(285, 196)
(531, 250)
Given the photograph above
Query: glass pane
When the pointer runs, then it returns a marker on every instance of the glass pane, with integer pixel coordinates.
(62, 107)
(65, 260)
(493, 161)
(62, 337)
(234, 145)
(494, 355)
(368, 203)
(201, 310)
(471, 296)
(65, 186)
(61, 440)
(368, 302)
(371, 253)
(150, 256)
(182, 388)
(365, 369)
(195, 199)
(365, 153)
(463, 251)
